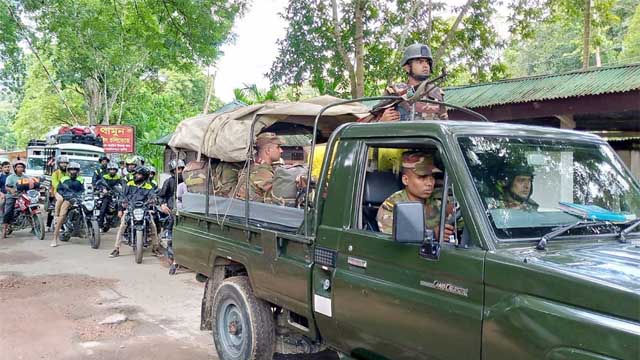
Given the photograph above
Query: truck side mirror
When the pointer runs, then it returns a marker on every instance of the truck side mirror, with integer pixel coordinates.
(408, 222)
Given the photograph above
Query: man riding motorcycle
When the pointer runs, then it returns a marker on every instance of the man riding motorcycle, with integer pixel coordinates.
(107, 183)
(152, 177)
(131, 162)
(16, 183)
(137, 190)
(71, 186)
(101, 170)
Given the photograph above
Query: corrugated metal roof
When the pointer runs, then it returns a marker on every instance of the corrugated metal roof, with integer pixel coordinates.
(594, 81)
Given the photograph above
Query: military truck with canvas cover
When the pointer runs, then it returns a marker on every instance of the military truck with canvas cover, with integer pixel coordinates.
(554, 274)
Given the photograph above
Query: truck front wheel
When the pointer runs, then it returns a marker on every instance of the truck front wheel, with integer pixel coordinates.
(243, 326)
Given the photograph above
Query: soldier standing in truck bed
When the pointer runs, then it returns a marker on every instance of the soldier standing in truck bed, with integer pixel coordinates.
(418, 64)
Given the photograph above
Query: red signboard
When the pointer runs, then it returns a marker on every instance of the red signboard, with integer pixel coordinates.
(117, 138)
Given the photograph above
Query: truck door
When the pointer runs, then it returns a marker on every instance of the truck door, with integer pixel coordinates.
(386, 301)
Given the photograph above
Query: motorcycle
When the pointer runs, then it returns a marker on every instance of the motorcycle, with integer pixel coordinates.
(136, 233)
(80, 221)
(27, 214)
(111, 219)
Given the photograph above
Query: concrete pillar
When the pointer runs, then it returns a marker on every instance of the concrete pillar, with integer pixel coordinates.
(566, 121)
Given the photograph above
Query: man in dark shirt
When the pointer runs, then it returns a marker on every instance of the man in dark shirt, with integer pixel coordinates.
(71, 186)
(6, 171)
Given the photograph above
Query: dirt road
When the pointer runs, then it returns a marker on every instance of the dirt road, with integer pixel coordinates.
(72, 302)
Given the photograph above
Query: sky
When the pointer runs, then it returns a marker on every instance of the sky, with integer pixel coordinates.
(246, 60)
(249, 58)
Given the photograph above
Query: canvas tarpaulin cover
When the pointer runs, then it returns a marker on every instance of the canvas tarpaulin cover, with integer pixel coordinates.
(226, 136)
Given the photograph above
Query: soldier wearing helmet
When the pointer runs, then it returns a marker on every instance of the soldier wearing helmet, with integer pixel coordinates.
(417, 62)
(62, 161)
(138, 189)
(515, 188)
(152, 177)
(71, 187)
(16, 183)
(101, 170)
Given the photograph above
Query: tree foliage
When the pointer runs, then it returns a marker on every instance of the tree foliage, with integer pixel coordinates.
(551, 34)
(631, 42)
(12, 66)
(310, 51)
(41, 108)
(101, 47)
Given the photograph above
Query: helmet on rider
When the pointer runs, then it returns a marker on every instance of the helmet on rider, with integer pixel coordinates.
(63, 162)
(152, 170)
(173, 164)
(141, 160)
(18, 163)
(131, 162)
(112, 168)
(142, 174)
(103, 158)
(73, 169)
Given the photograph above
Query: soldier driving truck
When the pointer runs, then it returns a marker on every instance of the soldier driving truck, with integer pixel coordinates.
(366, 273)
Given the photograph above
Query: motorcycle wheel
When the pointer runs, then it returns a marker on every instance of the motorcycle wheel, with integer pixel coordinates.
(94, 235)
(38, 226)
(139, 243)
(65, 236)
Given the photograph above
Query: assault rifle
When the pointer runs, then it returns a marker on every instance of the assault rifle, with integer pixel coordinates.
(419, 91)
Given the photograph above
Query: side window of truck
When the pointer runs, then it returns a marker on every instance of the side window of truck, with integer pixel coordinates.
(395, 174)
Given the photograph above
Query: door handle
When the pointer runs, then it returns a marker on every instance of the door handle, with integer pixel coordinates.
(357, 262)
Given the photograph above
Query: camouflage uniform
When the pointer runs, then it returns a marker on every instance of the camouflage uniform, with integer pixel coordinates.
(422, 165)
(385, 213)
(260, 183)
(508, 202)
(424, 111)
(261, 173)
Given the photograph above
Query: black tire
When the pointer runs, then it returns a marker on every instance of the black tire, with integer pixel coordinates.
(243, 325)
(94, 234)
(38, 226)
(65, 236)
(139, 243)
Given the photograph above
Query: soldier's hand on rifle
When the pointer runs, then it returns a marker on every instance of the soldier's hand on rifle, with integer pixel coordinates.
(390, 115)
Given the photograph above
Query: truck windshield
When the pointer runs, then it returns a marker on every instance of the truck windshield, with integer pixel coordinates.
(87, 167)
(530, 186)
(35, 163)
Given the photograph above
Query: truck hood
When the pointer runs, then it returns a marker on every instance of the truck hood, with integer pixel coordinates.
(588, 276)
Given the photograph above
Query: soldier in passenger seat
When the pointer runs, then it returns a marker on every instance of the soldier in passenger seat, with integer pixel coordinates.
(419, 178)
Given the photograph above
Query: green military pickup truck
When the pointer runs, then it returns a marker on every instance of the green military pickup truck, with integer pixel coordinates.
(543, 262)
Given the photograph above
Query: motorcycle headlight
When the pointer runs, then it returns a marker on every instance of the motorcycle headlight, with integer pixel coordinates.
(88, 204)
(138, 214)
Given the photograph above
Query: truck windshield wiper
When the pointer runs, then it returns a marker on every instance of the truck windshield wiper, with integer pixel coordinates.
(542, 244)
(631, 225)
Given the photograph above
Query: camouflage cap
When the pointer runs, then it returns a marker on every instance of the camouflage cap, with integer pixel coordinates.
(268, 138)
(420, 163)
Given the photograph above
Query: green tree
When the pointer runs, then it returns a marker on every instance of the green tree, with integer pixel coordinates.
(12, 67)
(631, 42)
(548, 35)
(159, 103)
(101, 48)
(7, 114)
(41, 108)
(326, 42)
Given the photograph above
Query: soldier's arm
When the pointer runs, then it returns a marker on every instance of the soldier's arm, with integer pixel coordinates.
(385, 217)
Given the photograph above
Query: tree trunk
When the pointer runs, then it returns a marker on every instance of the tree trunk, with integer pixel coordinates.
(452, 31)
(207, 99)
(359, 46)
(341, 50)
(405, 31)
(586, 34)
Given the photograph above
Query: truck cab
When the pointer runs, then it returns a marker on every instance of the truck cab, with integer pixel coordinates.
(545, 273)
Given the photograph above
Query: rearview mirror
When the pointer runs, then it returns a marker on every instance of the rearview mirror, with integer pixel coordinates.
(408, 222)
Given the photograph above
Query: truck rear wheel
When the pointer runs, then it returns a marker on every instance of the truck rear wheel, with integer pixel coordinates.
(243, 326)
